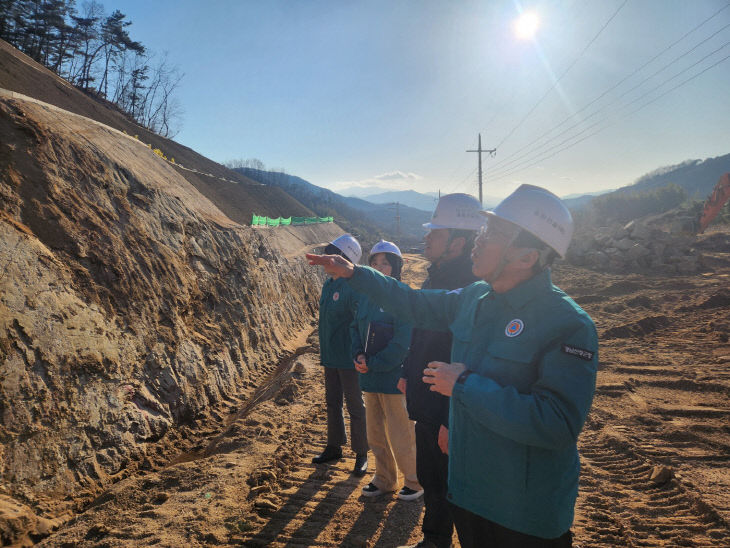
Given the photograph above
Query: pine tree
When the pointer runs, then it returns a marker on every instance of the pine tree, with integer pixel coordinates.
(116, 42)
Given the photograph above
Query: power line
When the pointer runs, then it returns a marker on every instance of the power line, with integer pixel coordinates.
(461, 182)
(505, 161)
(522, 121)
(518, 161)
(518, 169)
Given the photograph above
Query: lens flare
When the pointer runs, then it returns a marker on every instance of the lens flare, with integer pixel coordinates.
(526, 25)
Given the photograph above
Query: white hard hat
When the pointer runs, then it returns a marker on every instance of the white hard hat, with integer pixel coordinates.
(385, 247)
(539, 212)
(349, 246)
(458, 211)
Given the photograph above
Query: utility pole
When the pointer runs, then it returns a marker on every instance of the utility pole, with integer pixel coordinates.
(492, 152)
(397, 221)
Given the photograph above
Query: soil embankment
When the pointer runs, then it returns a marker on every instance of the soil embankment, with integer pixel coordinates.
(132, 312)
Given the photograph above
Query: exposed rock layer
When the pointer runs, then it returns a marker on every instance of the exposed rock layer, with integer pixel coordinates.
(129, 304)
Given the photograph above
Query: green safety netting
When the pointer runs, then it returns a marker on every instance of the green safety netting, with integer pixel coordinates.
(262, 220)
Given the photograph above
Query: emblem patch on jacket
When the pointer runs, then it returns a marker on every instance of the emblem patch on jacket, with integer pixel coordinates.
(514, 328)
(336, 296)
(581, 353)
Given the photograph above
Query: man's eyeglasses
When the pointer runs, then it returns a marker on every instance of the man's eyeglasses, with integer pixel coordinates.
(494, 232)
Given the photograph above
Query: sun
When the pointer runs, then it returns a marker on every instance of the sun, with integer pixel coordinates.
(526, 25)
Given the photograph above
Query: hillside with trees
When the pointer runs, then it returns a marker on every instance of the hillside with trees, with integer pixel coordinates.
(94, 52)
(696, 177)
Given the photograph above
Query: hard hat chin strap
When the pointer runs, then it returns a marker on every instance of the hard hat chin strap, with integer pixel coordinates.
(503, 261)
(545, 258)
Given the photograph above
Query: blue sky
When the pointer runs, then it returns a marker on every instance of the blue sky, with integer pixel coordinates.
(393, 93)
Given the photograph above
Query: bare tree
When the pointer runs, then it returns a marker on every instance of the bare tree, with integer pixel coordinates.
(160, 110)
(239, 163)
(115, 41)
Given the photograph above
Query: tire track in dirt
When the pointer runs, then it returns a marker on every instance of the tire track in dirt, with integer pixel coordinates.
(619, 505)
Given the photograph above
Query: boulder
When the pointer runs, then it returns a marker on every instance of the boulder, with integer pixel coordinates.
(683, 225)
(625, 244)
(16, 522)
(637, 251)
(660, 475)
(640, 231)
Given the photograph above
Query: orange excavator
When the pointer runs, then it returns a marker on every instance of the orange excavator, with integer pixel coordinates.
(714, 203)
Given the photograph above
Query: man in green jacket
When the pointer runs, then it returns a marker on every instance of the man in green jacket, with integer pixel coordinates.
(521, 377)
(336, 309)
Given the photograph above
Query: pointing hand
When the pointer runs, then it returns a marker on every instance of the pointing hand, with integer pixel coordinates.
(334, 265)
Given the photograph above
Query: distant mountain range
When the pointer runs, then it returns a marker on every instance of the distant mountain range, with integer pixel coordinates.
(425, 201)
(367, 220)
(577, 201)
(410, 198)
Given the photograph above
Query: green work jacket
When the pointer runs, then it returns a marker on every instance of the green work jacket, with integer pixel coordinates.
(384, 367)
(336, 312)
(514, 423)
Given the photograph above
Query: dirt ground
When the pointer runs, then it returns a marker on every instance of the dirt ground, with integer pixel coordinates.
(654, 451)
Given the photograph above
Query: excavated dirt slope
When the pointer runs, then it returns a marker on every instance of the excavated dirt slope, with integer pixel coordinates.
(132, 311)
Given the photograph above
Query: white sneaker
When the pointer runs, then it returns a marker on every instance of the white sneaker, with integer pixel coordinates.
(409, 494)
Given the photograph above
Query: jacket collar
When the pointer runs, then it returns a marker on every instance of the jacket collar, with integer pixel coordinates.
(519, 296)
(449, 271)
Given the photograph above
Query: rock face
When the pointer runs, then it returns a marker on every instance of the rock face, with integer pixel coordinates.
(638, 246)
(129, 304)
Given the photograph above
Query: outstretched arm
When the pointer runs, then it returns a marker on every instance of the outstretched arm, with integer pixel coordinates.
(428, 309)
(334, 265)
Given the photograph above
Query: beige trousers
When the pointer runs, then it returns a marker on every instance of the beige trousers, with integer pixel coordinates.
(392, 440)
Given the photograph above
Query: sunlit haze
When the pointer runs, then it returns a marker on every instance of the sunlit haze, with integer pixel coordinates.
(526, 25)
(391, 95)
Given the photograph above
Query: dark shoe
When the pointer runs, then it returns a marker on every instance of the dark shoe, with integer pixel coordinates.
(330, 453)
(424, 543)
(409, 494)
(361, 465)
(370, 490)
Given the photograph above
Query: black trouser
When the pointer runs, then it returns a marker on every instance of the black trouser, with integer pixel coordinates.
(339, 384)
(432, 468)
(477, 532)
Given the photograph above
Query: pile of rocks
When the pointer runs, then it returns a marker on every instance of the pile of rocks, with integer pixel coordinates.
(639, 246)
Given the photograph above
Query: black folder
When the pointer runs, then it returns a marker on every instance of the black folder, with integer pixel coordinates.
(379, 335)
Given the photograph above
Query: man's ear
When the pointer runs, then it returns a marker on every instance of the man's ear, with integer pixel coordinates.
(456, 246)
(529, 259)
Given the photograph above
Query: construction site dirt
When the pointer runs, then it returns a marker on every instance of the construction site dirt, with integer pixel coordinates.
(654, 451)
